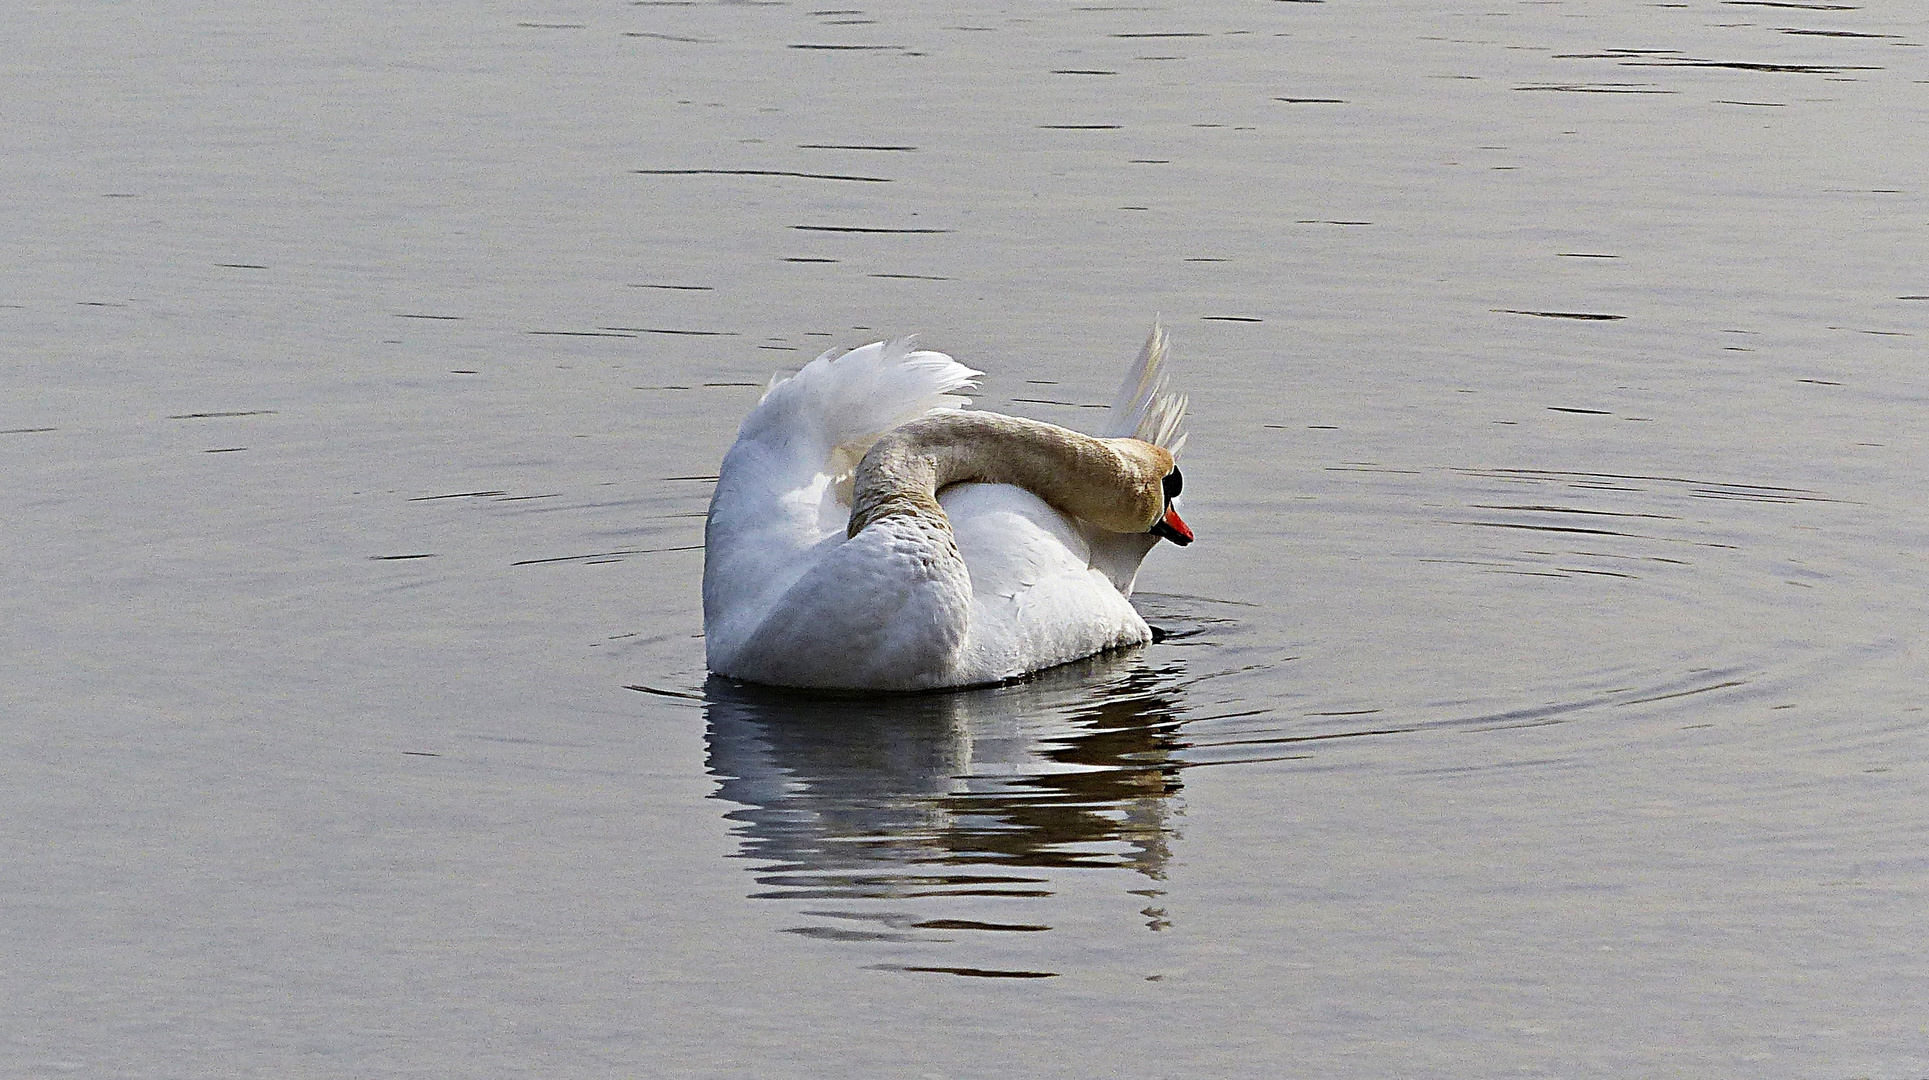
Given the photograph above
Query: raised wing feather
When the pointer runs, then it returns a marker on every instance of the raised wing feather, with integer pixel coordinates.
(1147, 408)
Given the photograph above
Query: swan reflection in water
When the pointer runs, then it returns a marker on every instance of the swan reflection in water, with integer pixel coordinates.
(967, 808)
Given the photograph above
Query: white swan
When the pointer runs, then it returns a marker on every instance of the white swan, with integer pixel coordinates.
(868, 532)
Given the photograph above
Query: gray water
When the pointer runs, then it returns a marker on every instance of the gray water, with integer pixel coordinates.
(1543, 697)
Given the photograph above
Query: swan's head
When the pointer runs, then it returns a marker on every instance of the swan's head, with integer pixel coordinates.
(1155, 482)
(1170, 525)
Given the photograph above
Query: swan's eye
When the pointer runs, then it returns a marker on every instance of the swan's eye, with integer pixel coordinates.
(1173, 482)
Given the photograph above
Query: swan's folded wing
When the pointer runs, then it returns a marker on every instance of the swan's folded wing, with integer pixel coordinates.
(779, 503)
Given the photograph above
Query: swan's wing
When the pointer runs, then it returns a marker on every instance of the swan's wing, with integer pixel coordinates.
(810, 430)
(1147, 408)
(777, 496)
(859, 395)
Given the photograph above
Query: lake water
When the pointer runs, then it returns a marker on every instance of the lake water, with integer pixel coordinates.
(1544, 695)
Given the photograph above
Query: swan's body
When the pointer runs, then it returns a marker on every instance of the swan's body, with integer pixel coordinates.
(868, 532)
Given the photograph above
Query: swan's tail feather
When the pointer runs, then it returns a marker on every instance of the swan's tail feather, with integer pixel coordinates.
(1147, 408)
(853, 398)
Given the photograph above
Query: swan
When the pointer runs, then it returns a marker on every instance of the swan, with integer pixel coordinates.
(870, 532)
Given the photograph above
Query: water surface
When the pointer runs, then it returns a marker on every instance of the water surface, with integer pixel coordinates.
(1542, 697)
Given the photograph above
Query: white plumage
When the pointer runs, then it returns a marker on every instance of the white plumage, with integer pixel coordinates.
(1012, 586)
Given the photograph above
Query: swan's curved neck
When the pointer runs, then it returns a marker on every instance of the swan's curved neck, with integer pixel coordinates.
(1112, 483)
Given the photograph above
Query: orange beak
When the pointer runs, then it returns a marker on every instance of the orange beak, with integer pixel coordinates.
(1173, 527)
